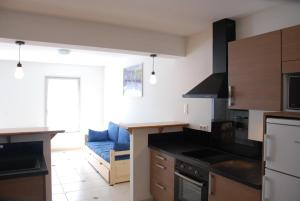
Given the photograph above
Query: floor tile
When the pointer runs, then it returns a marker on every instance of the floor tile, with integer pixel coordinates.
(59, 197)
(74, 179)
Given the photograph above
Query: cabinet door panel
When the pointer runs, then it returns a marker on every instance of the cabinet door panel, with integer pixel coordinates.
(224, 189)
(291, 43)
(280, 187)
(254, 71)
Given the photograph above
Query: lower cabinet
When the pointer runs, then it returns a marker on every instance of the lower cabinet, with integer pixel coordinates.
(23, 188)
(224, 189)
(161, 176)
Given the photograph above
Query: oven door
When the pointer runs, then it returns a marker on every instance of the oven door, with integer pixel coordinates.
(187, 189)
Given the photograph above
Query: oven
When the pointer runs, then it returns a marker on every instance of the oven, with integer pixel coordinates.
(190, 183)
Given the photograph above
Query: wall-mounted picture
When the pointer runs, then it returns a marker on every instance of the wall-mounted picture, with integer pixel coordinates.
(133, 81)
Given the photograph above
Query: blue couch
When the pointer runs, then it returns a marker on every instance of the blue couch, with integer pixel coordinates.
(109, 148)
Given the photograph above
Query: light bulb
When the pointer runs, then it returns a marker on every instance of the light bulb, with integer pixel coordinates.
(19, 73)
(153, 79)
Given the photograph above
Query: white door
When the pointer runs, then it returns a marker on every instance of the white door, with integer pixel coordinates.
(280, 187)
(282, 146)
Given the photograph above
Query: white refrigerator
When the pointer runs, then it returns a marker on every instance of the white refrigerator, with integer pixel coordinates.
(282, 160)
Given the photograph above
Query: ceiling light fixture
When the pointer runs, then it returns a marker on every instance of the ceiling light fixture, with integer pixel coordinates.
(64, 51)
(153, 79)
(19, 73)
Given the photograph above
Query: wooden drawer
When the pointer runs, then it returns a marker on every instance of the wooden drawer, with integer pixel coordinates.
(291, 43)
(162, 176)
(162, 159)
(162, 190)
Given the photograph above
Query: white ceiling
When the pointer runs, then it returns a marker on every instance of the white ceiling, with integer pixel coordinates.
(181, 17)
(46, 54)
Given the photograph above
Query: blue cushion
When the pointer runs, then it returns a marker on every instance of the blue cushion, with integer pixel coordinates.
(121, 147)
(94, 136)
(113, 130)
(123, 137)
(103, 150)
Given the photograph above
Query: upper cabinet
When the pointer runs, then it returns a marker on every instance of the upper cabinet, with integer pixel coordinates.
(291, 49)
(291, 44)
(254, 72)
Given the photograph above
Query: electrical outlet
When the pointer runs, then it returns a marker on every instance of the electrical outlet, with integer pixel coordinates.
(204, 128)
(185, 109)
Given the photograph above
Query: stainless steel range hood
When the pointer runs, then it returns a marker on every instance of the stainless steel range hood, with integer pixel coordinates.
(216, 85)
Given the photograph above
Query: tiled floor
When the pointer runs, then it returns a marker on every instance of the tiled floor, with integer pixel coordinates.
(73, 179)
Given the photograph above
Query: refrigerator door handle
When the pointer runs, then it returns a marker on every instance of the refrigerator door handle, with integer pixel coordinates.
(266, 191)
(267, 148)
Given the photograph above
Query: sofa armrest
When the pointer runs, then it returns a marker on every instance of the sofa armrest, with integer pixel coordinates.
(114, 153)
(86, 138)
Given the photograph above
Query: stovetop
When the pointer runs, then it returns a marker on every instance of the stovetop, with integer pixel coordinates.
(207, 155)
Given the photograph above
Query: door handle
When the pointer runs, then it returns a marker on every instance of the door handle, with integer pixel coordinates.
(267, 148)
(297, 141)
(211, 184)
(266, 189)
(230, 96)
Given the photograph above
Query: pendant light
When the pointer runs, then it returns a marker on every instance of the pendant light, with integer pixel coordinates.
(153, 78)
(19, 73)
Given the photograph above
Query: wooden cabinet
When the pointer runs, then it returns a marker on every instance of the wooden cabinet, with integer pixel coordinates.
(291, 43)
(224, 189)
(24, 188)
(254, 72)
(161, 176)
(291, 50)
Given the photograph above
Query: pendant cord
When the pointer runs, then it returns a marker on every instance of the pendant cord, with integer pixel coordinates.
(152, 64)
(19, 53)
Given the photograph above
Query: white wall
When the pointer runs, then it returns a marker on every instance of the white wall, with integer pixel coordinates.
(163, 101)
(22, 102)
(268, 20)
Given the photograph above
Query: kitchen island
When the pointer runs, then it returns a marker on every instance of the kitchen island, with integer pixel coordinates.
(36, 134)
(140, 155)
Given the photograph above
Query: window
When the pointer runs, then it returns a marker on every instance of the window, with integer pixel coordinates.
(63, 103)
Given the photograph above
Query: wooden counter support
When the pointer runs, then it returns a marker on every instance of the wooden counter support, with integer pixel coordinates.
(140, 155)
(30, 135)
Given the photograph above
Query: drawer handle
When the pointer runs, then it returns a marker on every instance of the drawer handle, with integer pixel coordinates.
(160, 166)
(211, 184)
(160, 157)
(297, 141)
(230, 96)
(161, 187)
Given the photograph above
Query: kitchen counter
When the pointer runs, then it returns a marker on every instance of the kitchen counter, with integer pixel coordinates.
(235, 167)
(140, 156)
(159, 125)
(29, 131)
(37, 134)
(241, 170)
(288, 115)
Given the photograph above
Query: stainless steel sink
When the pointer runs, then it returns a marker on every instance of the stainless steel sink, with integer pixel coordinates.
(19, 164)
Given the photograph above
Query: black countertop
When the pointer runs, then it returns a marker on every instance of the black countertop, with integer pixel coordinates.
(233, 165)
(22, 160)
